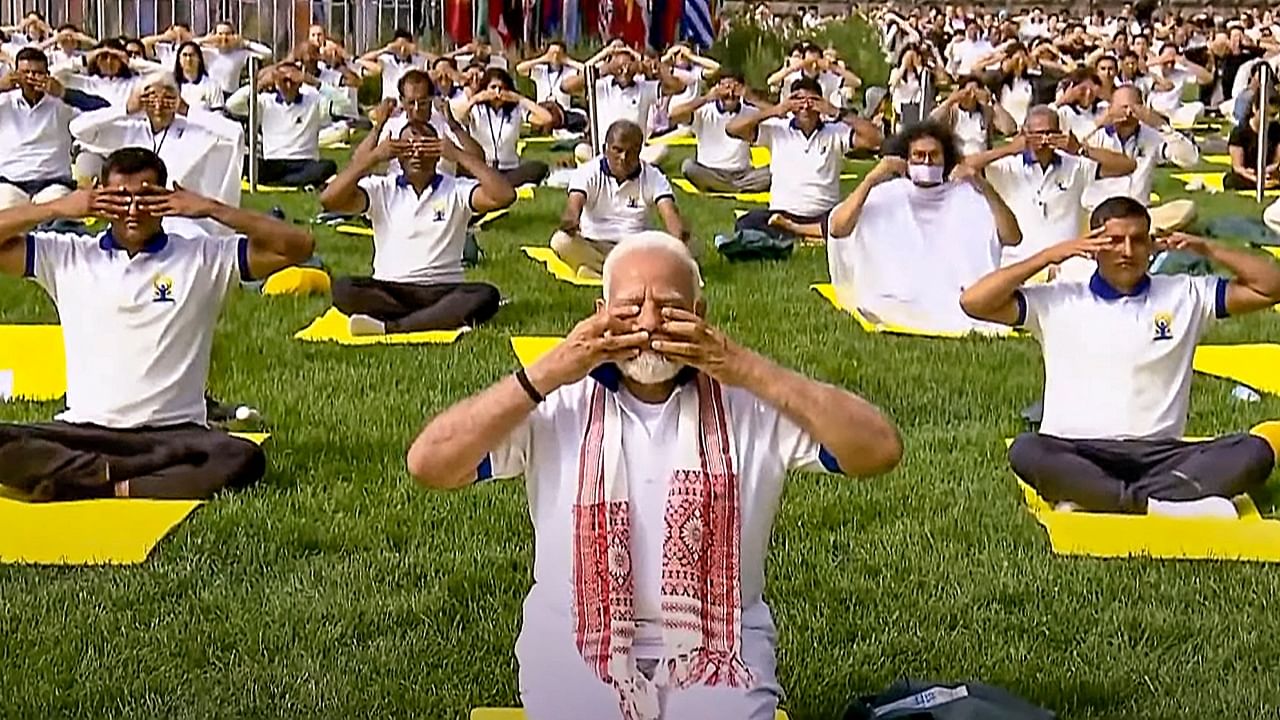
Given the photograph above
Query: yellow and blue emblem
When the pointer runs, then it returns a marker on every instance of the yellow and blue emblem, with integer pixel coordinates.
(162, 289)
(1163, 326)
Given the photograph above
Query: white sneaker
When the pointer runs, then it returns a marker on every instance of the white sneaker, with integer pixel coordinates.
(1209, 507)
(1066, 506)
(364, 325)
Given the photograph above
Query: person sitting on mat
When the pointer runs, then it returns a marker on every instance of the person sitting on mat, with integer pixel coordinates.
(1242, 146)
(1118, 351)
(1042, 175)
(417, 99)
(908, 240)
(973, 117)
(1129, 127)
(610, 198)
(494, 115)
(228, 53)
(292, 115)
(721, 163)
(628, 87)
(419, 223)
(34, 121)
(806, 156)
(546, 71)
(395, 59)
(644, 420)
(1079, 106)
(137, 307)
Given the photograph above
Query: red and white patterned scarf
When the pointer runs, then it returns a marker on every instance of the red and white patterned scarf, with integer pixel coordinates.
(701, 597)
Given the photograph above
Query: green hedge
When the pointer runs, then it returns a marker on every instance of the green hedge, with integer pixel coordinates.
(758, 51)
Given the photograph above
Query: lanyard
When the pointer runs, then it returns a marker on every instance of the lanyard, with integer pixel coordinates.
(502, 120)
(155, 147)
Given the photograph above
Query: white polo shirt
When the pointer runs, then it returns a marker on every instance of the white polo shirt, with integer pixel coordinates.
(692, 78)
(1149, 148)
(137, 330)
(36, 137)
(806, 170)
(290, 130)
(225, 66)
(1016, 97)
(716, 148)
(829, 82)
(1116, 366)
(1080, 121)
(418, 238)
(1167, 102)
(545, 448)
(614, 102)
(963, 55)
(393, 68)
(546, 82)
(115, 90)
(970, 130)
(396, 125)
(498, 132)
(204, 94)
(615, 209)
(1046, 201)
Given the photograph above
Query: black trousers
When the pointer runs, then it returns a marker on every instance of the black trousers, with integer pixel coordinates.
(759, 220)
(296, 173)
(31, 187)
(405, 307)
(528, 171)
(62, 461)
(1121, 475)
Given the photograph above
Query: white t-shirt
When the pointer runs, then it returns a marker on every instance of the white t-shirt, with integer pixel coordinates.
(615, 209)
(1148, 148)
(205, 94)
(1166, 102)
(225, 66)
(633, 103)
(692, 78)
(138, 331)
(970, 131)
(965, 54)
(716, 148)
(546, 80)
(393, 67)
(806, 170)
(498, 132)
(115, 90)
(1119, 367)
(1046, 201)
(418, 239)
(37, 138)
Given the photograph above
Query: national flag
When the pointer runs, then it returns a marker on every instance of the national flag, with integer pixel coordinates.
(457, 20)
(605, 17)
(631, 22)
(551, 14)
(696, 23)
(500, 13)
(570, 20)
(664, 22)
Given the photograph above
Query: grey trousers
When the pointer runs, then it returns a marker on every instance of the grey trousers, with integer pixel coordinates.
(1121, 475)
(726, 181)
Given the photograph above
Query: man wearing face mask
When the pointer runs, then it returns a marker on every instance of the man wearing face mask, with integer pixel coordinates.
(722, 163)
(419, 220)
(1042, 175)
(137, 306)
(1118, 349)
(610, 199)
(654, 451)
(907, 241)
(807, 154)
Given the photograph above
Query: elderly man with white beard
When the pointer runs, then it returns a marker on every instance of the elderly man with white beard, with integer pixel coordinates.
(654, 451)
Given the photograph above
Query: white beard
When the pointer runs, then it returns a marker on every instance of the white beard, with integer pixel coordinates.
(649, 368)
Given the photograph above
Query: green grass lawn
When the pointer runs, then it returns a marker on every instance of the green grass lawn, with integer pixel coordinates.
(337, 588)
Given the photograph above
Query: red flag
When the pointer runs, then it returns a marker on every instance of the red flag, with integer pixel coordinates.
(457, 20)
(630, 22)
(497, 20)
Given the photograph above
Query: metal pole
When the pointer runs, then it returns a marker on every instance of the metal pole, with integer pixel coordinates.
(1265, 82)
(594, 119)
(444, 26)
(255, 122)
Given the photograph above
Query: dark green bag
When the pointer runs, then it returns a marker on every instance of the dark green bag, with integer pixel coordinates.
(754, 245)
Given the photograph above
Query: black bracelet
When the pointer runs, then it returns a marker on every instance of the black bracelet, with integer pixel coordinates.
(523, 378)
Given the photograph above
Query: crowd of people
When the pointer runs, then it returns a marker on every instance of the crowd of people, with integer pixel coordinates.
(1014, 163)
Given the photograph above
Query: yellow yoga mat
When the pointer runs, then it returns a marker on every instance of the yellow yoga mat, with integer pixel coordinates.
(558, 268)
(760, 156)
(683, 140)
(1256, 365)
(244, 185)
(1216, 159)
(761, 198)
(1214, 181)
(297, 281)
(89, 532)
(518, 714)
(355, 230)
(490, 217)
(32, 362)
(828, 292)
(332, 327)
(529, 348)
(1119, 535)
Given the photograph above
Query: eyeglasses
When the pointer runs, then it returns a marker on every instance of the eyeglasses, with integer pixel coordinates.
(415, 104)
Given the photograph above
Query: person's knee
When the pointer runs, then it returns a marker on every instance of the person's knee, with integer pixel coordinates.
(343, 291)
(1259, 456)
(11, 196)
(689, 167)
(538, 171)
(1026, 454)
(51, 193)
(326, 168)
(487, 300)
(562, 242)
(245, 460)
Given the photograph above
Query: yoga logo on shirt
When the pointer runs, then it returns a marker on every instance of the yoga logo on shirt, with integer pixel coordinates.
(1164, 326)
(633, 202)
(162, 289)
(437, 212)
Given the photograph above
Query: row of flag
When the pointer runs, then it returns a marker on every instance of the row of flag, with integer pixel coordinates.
(656, 23)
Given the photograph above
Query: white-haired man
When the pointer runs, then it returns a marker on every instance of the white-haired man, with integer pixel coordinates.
(654, 449)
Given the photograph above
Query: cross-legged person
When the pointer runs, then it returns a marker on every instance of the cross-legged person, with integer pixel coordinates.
(419, 220)
(36, 163)
(494, 116)
(650, 441)
(1118, 351)
(292, 115)
(610, 199)
(722, 163)
(973, 117)
(137, 307)
(546, 71)
(807, 154)
(420, 103)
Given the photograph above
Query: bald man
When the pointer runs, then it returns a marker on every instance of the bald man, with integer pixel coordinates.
(624, 432)
(1041, 175)
(610, 199)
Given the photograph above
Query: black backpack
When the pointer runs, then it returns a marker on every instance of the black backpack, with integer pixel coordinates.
(920, 700)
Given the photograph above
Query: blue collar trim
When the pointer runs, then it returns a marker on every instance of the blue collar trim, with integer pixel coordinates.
(402, 181)
(280, 98)
(604, 168)
(795, 125)
(1104, 290)
(610, 376)
(154, 245)
(1029, 158)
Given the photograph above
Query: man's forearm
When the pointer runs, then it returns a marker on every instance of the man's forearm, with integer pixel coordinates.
(862, 439)
(996, 290)
(491, 181)
(980, 161)
(447, 452)
(22, 219)
(1007, 228)
(1257, 272)
(339, 193)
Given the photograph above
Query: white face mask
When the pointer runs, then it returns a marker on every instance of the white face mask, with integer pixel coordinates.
(649, 368)
(925, 174)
